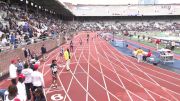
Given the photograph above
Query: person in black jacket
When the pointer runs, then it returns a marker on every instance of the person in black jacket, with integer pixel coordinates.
(27, 53)
(43, 52)
(39, 95)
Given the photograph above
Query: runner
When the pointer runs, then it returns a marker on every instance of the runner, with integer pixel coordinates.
(54, 73)
(80, 41)
(71, 46)
(87, 38)
(61, 51)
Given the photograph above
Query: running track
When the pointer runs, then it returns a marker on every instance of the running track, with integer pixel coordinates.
(99, 72)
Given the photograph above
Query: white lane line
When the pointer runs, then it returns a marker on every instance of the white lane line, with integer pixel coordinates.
(63, 86)
(47, 72)
(61, 81)
(132, 75)
(155, 77)
(97, 81)
(73, 77)
(87, 86)
(143, 73)
(150, 65)
(163, 88)
(54, 51)
(117, 75)
(147, 73)
(148, 69)
(48, 91)
(129, 81)
(116, 82)
(101, 70)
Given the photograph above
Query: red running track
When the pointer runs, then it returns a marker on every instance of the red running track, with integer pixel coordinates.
(99, 72)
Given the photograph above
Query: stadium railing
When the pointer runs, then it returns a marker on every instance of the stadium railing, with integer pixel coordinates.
(18, 52)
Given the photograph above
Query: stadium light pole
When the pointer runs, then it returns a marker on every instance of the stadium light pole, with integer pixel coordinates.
(26, 3)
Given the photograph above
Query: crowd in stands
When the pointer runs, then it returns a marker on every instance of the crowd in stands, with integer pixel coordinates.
(17, 27)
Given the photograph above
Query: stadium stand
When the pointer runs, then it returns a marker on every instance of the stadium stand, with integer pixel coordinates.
(51, 23)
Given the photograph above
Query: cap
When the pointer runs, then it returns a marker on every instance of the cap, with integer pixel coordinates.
(36, 66)
(21, 76)
(13, 61)
(16, 99)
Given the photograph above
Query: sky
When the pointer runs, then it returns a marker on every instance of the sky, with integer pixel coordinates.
(109, 2)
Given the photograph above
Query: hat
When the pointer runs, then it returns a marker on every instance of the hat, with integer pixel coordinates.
(36, 66)
(13, 61)
(16, 99)
(22, 76)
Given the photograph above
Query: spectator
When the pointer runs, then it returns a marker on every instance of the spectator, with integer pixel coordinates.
(12, 94)
(20, 66)
(21, 87)
(12, 39)
(43, 52)
(27, 53)
(39, 95)
(37, 80)
(4, 41)
(149, 54)
(173, 44)
(28, 79)
(2, 92)
(157, 43)
(13, 72)
(134, 53)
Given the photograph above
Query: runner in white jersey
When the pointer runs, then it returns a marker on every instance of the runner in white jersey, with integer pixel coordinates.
(54, 72)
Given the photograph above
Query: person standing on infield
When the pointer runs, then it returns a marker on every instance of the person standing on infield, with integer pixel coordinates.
(67, 58)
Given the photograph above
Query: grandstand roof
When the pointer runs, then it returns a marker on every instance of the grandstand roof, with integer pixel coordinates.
(54, 5)
(121, 2)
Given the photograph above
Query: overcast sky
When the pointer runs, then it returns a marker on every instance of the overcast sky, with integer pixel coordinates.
(118, 1)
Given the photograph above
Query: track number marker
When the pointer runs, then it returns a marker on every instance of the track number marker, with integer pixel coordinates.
(57, 97)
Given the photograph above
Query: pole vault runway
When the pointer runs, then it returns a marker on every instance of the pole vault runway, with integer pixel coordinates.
(99, 72)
